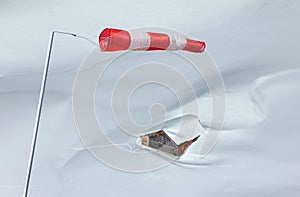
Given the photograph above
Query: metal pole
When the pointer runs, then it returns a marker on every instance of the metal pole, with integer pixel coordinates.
(39, 110)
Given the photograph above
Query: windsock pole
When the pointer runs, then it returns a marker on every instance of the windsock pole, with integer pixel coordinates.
(39, 110)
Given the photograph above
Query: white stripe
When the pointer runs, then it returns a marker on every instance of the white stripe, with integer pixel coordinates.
(177, 42)
(139, 40)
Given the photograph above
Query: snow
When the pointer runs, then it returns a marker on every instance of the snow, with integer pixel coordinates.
(255, 45)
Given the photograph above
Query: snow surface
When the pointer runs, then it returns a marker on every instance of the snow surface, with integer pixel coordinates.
(254, 43)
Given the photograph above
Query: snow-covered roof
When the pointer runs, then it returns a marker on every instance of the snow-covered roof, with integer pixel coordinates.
(181, 129)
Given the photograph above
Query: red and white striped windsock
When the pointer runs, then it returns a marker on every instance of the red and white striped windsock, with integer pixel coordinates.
(111, 39)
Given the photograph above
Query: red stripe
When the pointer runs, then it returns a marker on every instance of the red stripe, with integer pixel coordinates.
(158, 41)
(111, 39)
(194, 46)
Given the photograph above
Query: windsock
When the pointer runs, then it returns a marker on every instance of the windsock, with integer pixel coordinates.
(111, 39)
